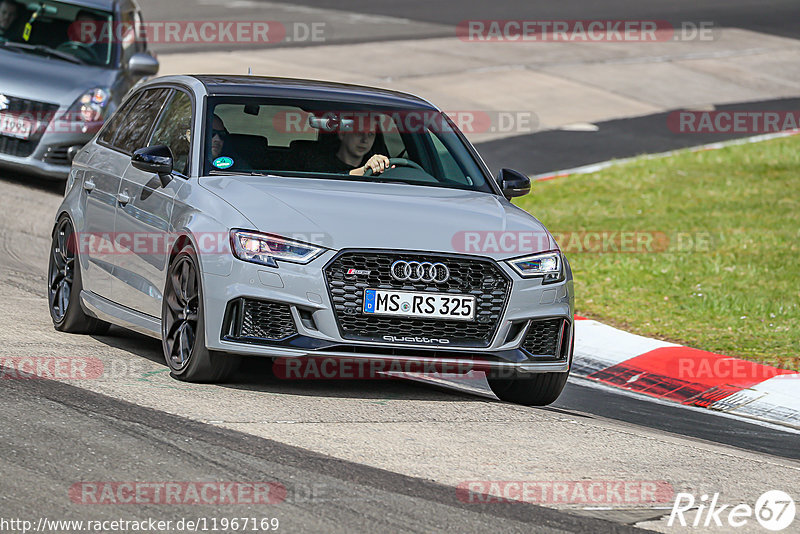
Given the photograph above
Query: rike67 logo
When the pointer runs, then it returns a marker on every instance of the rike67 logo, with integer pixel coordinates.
(774, 510)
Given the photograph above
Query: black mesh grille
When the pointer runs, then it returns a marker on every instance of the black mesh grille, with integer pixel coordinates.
(468, 276)
(17, 147)
(57, 155)
(41, 113)
(261, 319)
(542, 337)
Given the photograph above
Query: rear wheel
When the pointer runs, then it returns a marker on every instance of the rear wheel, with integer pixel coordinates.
(183, 325)
(530, 389)
(64, 284)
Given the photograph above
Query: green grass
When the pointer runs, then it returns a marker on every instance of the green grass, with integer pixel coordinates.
(738, 293)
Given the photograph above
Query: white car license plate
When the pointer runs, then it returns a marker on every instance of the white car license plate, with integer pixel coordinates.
(415, 304)
(15, 126)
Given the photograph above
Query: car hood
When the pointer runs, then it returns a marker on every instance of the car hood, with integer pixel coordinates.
(25, 75)
(351, 214)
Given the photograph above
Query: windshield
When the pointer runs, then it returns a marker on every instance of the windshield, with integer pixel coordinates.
(59, 30)
(338, 141)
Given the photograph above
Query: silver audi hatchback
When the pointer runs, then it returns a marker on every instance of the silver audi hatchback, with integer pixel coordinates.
(236, 216)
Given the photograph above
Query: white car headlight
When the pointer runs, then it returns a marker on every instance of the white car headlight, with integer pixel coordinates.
(92, 106)
(548, 266)
(266, 249)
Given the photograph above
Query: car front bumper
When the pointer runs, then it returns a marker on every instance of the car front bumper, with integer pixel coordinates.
(49, 159)
(304, 290)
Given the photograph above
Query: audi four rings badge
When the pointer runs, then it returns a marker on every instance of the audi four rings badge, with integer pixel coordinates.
(414, 271)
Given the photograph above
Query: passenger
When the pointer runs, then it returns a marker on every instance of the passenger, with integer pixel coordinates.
(219, 135)
(8, 15)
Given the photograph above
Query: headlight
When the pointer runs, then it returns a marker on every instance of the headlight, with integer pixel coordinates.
(265, 249)
(548, 266)
(92, 106)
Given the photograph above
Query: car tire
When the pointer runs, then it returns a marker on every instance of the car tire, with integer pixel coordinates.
(64, 284)
(529, 389)
(183, 325)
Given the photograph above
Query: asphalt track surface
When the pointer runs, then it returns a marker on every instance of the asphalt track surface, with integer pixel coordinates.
(555, 150)
(120, 441)
(352, 21)
(777, 17)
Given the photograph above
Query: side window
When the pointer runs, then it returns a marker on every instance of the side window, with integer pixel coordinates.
(112, 125)
(134, 132)
(175, 131)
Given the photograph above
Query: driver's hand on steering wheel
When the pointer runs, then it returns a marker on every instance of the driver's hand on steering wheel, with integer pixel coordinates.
(378, 163)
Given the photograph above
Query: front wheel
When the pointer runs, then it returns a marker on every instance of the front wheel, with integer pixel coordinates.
(64, 284)
(183, 325)
(534, 389)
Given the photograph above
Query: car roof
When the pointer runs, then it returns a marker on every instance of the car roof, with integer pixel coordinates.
(248, 85)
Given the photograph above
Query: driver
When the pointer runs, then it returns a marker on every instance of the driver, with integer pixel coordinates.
(8, 15)
(87, 30)
(353, 154)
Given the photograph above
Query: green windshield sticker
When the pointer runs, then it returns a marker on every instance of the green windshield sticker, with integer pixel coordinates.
(223, 163)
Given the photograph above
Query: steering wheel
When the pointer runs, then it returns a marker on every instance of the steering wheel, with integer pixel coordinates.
(80, 48)
(402, 162)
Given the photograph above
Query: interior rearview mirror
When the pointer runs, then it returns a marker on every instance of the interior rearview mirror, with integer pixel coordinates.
(513, 183)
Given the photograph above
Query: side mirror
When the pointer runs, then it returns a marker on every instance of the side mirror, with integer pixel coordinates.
(142, 64)
(156, 159)
(513, 183)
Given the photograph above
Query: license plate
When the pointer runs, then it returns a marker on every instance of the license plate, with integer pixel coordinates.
(415, 304)
(15, 126)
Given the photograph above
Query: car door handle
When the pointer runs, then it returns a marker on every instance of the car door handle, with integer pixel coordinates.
(123, 198)
(88, 185)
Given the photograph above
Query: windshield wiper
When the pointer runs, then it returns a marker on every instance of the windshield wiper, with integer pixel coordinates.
(390, 181)
(44, 50)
